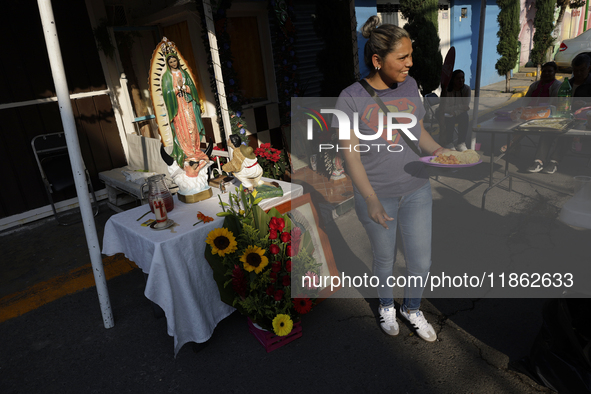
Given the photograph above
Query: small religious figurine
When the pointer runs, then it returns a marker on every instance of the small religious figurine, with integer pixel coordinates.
(192, 178)
(176, 102)
(244, 164)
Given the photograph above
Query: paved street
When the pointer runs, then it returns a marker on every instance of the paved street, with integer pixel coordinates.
(62, 346)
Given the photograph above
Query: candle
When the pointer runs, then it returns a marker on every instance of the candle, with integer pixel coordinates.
(160, 210)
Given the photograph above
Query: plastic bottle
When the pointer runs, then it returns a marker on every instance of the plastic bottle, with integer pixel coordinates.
(564, 92)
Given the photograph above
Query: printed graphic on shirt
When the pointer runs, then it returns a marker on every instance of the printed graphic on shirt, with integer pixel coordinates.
(370, 116)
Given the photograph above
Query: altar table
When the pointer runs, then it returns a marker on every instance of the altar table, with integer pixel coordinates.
(179, 280)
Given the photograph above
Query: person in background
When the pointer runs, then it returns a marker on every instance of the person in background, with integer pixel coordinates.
(546, 159)
(392, 189)
(547, 86)
(455, 104)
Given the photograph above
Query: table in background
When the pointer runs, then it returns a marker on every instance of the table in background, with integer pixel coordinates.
(507, 127)
(180, 280)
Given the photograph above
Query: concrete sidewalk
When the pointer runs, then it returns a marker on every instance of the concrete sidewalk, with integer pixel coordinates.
(62, 346)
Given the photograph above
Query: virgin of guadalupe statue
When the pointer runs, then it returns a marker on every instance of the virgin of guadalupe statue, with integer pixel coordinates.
(176, 103)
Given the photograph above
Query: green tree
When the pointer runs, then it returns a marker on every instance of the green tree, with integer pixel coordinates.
(544, 25)
(508, 38)
(423, 29)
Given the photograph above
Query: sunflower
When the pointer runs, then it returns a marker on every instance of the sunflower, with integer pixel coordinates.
(222, 241)
(254, 259)
(282, 325)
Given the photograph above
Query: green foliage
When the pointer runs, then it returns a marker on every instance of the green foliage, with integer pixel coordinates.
(508, 35)
(423, 29)
(572, 4)
(577, 4)
(238, 125)
(543, 25)
(264, 295)
(234, 98)
(283, 39)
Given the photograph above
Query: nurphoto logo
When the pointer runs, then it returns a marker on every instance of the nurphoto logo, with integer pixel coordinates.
(392, 124)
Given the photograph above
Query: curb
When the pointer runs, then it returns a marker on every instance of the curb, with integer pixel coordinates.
(518, 95)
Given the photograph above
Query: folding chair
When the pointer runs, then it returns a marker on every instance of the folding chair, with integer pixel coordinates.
(431, 101)
(51, 154)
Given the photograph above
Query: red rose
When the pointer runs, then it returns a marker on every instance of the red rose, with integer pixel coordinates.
(273, 276)
(276, 224)
(288, 265)
(270, 291)
(285, 237)
(276, 267)
(286, 280)
(274, 249)
(239, 281)
(289, 251)
(273, 234)
(302, 305)
(278, 295)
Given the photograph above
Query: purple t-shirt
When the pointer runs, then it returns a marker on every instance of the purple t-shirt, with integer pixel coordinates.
(393, 168)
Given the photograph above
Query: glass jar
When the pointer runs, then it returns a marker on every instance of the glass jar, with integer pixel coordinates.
(158, 189)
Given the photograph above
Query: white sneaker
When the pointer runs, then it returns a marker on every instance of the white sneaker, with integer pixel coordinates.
(388, 320)
(461, 147)
(424, 329)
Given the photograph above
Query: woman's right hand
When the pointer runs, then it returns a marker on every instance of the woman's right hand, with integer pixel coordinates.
(377, 213)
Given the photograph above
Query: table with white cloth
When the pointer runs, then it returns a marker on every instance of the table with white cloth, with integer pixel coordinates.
(180, 280)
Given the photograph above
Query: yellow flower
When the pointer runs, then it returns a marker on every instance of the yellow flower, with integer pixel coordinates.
(254, 259)
(222, 241)
(241, 212)
(282, 325)
(254, 193)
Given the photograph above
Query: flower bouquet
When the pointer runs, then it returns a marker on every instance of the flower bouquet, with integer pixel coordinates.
(253, 257)
(273, 161)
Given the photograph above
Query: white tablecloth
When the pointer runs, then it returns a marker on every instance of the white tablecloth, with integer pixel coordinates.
(180, 280)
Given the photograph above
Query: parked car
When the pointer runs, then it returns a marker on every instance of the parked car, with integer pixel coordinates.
(572, 47)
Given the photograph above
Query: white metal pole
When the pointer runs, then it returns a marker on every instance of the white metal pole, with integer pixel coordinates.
(478, 73)
(67, 115)
(217, 69)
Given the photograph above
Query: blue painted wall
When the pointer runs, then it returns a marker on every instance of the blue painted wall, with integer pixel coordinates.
(363, 10)
(464, 37)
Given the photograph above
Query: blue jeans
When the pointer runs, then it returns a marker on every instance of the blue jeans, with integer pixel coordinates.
(412, 215)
